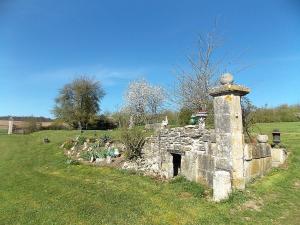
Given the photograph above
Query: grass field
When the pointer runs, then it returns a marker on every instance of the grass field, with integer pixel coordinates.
(3, 131)
(38, 187)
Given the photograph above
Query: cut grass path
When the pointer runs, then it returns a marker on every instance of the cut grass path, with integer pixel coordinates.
(38, 187)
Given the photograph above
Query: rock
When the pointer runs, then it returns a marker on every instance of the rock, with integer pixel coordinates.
(85, 146)
(226, 78)
(262, 138)
(99, 160)
(108, 160)
(116, 153)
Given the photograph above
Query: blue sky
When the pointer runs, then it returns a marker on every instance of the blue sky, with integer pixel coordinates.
(44, 44)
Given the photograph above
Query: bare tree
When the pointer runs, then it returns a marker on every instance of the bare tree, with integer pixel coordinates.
(248, 113)
(193, 85)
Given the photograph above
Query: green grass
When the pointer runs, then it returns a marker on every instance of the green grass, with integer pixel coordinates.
(37, 186)
(3, 131)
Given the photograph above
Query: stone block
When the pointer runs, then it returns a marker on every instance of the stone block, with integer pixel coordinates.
(221, 185)
(213, 137)
(212, 149)
(248, 152)
(223, 164)
(279, 156)
(255, 168)
(256, 152)
(206, 138)
(267, 165)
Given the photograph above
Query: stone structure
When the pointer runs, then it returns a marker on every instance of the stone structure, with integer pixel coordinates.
(229, 129)
(10, 125)
(217, 157)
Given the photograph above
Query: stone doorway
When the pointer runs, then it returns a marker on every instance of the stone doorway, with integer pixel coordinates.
(176, 164)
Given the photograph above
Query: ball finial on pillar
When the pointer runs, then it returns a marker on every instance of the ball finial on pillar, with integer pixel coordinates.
(226, 78)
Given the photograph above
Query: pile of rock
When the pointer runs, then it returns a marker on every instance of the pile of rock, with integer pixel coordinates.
(93, 150)
(144, 165)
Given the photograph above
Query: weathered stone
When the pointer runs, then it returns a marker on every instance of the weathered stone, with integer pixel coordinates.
(221, 185)
(229, 89)
(279, 156)
(262, 138)
(248, 152)
(226, 78)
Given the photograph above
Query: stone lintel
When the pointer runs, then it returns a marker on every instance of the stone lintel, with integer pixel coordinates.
(229, 89)
(179, 152)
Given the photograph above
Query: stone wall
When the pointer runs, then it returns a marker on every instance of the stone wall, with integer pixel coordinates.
(258, 159)
(195, 147)
(219, 157)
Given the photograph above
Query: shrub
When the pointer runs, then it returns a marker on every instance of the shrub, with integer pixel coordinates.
(184, 116)
(103, 123)
(134, 140)
(31, 126)
(57, 125)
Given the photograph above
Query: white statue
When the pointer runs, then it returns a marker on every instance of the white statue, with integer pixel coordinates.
(165, 123)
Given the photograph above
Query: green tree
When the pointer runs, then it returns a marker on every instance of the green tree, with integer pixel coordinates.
(184, 116)
(79, 102)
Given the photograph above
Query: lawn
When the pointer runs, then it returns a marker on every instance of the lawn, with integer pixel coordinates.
(38, 187)
(3, 131)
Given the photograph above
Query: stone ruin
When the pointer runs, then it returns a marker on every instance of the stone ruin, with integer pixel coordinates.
(218, 157)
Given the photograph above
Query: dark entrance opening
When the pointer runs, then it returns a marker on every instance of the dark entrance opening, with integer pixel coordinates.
(176, 164)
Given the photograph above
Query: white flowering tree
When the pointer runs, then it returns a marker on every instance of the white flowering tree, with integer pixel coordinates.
(143, 100)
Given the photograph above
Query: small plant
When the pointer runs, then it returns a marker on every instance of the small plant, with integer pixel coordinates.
(134, 140)
(105, 138)
(236, 197)
(86, 155)
(72, 162)
(101, 154)
(68, 144)
(81, 139)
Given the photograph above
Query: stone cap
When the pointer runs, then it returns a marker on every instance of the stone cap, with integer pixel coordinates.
(229, 89)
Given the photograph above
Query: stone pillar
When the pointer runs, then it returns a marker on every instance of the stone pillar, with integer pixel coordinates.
(10, 125)
(229, 155)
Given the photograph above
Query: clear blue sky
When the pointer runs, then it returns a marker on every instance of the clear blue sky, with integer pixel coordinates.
(44, 44)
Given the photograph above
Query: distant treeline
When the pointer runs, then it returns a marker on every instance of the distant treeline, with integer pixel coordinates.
(27, 118)
(282, 113)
